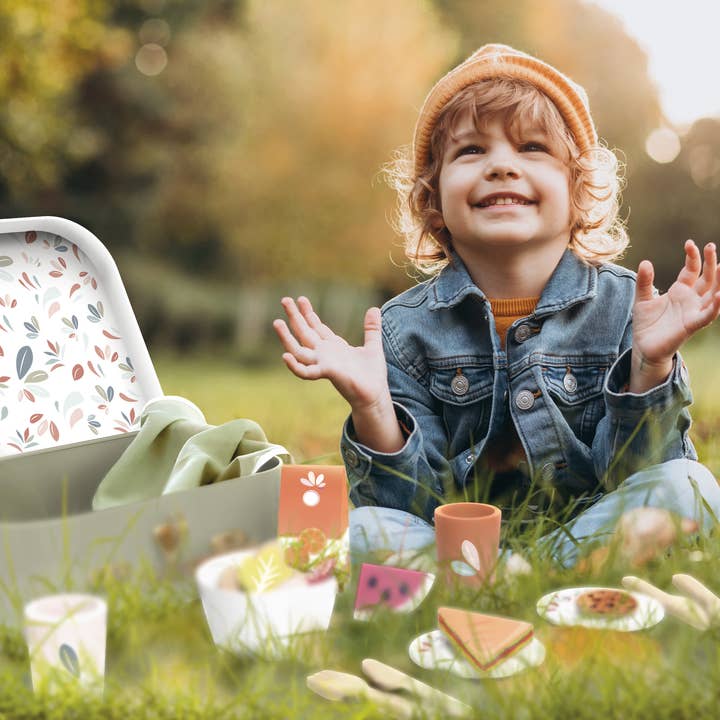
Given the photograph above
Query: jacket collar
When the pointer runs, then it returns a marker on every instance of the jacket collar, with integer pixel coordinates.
(572, 282)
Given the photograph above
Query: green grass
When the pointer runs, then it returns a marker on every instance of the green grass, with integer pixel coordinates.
(162, 663)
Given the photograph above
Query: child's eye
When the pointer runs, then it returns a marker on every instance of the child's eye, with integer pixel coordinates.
(469, 150)
(533, 147)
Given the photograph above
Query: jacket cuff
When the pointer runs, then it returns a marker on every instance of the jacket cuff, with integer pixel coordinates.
(379, 478)
(669, 394)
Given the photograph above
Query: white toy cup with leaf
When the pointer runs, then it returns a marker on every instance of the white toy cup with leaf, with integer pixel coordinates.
(66, 637)
(262, 622)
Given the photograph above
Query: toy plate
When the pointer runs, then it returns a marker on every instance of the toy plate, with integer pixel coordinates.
(433, 651)
(560, 608)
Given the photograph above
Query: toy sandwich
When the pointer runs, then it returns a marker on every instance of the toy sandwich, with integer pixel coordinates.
(485, 640)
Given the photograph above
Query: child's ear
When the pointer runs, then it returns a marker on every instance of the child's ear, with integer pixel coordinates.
(436, 221)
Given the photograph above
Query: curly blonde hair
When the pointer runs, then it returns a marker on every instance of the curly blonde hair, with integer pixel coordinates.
(597, 234)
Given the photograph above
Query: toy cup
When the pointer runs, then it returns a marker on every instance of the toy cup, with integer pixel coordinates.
(468, 539)
(66, 634)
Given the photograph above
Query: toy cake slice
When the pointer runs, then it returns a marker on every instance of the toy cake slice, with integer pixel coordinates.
(485, 640)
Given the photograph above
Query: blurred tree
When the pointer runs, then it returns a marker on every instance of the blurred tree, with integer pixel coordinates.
(45, 50)
(296, 112)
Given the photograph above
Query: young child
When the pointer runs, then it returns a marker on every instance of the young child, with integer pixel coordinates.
(529, 371)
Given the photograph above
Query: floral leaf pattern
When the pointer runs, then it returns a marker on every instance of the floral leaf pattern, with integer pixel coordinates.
(72, 379)
(264, 571)
(23, 361)
(267, 574)
(69, 659)
(470, 553)
(471, 565)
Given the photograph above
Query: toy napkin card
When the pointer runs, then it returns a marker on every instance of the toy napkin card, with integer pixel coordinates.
(313, 519)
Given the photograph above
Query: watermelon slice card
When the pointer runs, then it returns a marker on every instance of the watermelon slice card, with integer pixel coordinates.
(384, 586)
(313, 518)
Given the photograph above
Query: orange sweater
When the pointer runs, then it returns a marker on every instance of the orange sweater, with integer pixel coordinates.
(506, 452)
(508, 310)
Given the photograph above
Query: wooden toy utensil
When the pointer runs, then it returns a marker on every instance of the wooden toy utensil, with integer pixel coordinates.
(335, 685)
(682, 608)
(389, 678)
(707, 600)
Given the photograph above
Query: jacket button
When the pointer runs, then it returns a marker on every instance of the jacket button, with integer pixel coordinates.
(570, 383)
(470, 459)
(522, 333)
(460, 385)
(524, 399)
(351, 458)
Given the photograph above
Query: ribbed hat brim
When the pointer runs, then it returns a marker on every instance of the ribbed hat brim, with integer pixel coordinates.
(493, 61)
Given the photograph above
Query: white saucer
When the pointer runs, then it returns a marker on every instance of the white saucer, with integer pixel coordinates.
(560, 608)
(433, 651)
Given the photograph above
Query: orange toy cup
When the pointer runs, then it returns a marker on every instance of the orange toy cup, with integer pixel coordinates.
(468, 539)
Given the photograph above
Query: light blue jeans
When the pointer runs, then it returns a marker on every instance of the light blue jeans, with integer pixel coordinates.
(682, 486)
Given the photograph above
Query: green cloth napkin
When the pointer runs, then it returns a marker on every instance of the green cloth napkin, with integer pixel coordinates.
(176, 449)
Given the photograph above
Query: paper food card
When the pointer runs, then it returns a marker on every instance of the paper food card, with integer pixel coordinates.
(313, 519)
(392, 588)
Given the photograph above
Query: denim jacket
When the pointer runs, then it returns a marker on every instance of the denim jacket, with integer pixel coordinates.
(561, 378)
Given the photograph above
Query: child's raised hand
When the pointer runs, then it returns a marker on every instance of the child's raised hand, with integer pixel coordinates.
(314, 351)
(662, 323)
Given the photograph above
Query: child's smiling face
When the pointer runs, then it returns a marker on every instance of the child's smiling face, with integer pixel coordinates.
(499, 192)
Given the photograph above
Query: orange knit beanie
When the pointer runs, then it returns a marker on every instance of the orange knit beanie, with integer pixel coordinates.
(492, 61)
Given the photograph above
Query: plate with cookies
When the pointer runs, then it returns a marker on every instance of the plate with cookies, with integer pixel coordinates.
(603, 608)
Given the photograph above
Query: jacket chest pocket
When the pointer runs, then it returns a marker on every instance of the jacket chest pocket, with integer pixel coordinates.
(578, 393)
(464, 395)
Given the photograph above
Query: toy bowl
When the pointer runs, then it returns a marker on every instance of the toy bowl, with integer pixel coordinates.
(261, 623)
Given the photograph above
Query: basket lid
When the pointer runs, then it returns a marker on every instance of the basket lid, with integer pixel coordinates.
(73, 363)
